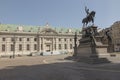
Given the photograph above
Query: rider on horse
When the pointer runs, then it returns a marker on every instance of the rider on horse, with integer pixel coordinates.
(87, 11)
(89, 18)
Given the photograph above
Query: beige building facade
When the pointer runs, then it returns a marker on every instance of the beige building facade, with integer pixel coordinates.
(116, 36)
(23, 40)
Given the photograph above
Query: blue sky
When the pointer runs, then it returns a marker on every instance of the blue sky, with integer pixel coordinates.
(66, 13)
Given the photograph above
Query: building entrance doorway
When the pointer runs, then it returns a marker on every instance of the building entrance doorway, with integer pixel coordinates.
(48, 48)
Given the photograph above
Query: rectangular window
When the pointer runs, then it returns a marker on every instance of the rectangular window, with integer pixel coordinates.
(12, 39)
(35, 46)
(20, 39)
(35, 39)
(28, 39)
(41, 46)
(65, 39)
(65, 46)
(71, 40)
(71, 46)
(60, 46)
(12, 47)
(3, 39)
(20, 47)
(59, 39)
(3, 47)
(28, 47)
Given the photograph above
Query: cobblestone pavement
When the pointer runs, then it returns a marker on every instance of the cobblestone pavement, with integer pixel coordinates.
(55, 68)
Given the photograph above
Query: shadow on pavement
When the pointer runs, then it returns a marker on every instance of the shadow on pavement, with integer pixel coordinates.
(92, 60)
(58, 71)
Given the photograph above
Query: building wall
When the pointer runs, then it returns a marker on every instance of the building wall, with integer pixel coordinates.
(43, 42)
(116, 35)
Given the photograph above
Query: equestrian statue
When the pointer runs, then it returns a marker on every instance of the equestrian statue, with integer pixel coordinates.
(89, 18)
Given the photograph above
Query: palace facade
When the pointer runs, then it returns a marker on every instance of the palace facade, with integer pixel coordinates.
(22, 40)
(116, 35)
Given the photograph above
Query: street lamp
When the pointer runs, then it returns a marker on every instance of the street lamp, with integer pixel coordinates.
(75, 44)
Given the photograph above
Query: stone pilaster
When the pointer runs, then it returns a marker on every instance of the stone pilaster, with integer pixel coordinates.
(53, 47)
(24, 45)
(43, 44)
(68, 44)
(32, 44)
(7, 44)
(39, 44)
(62, 44)
(57, 47)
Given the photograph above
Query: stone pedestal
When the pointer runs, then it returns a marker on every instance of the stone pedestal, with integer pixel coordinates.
(91, 49)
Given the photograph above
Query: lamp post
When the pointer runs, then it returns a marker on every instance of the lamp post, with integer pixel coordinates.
(75, 42)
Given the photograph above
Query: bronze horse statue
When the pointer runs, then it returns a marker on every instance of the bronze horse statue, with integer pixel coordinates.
(89, 18)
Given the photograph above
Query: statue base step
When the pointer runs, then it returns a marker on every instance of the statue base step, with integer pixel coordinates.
(93, 60)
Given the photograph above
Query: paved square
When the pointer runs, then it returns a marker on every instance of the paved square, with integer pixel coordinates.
(55, 68)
